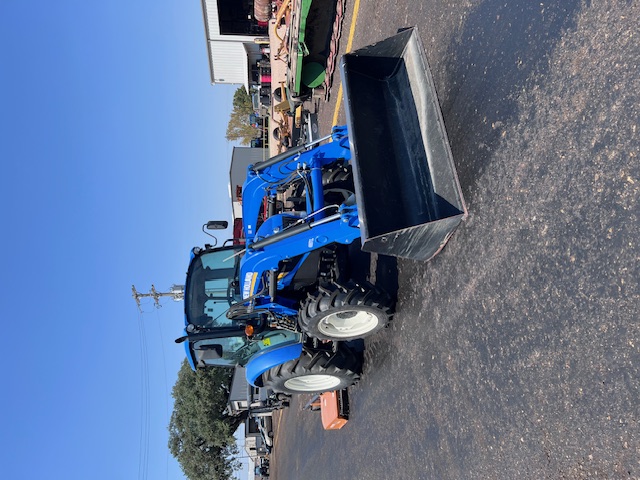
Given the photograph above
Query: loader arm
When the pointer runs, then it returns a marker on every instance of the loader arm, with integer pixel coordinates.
(265, 178)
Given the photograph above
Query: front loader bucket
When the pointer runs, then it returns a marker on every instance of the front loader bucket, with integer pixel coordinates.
(408, 194)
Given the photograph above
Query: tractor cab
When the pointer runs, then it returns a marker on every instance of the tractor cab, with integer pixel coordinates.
(212, 286)
(211, 289)
(219, 330)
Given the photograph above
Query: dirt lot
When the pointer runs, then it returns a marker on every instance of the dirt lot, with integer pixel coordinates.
(514, 353)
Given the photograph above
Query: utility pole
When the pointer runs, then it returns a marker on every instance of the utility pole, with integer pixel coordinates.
(176, 293)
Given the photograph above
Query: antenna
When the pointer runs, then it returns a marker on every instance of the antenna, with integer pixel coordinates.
(176, 292)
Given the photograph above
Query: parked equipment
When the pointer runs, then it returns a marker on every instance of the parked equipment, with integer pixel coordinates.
(286, 305)
(333, 407)
(262, 467)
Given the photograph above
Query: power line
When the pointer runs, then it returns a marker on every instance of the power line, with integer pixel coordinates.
(176, 293)
(166, 384)
(145, 414)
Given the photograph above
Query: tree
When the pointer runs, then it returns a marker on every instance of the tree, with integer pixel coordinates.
(239, 128)
(200, 434)
(242, 101)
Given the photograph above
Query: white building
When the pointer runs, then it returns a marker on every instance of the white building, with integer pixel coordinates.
(232, 34)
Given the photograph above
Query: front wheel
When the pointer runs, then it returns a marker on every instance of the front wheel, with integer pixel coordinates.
(315, 372)
(343, 315)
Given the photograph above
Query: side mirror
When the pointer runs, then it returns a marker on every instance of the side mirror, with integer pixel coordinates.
(217, 225)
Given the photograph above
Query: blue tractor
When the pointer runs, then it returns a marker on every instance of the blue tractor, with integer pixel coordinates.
(286, 305)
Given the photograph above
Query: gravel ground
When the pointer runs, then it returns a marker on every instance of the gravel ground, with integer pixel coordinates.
(515, 352)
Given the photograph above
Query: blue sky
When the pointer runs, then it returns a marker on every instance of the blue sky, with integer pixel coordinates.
(113, 156)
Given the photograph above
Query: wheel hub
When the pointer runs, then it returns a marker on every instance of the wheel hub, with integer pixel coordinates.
(312, 383)
(348, 323)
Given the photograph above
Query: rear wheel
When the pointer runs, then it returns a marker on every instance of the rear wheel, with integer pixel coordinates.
(315, 372)
(345, 314)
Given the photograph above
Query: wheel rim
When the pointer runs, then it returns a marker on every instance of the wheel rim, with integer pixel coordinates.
(348, 323)
(312, 383)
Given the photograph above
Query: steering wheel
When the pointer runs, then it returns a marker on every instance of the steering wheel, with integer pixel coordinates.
(231, 292)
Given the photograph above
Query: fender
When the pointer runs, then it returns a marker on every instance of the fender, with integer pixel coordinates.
(271, 357)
